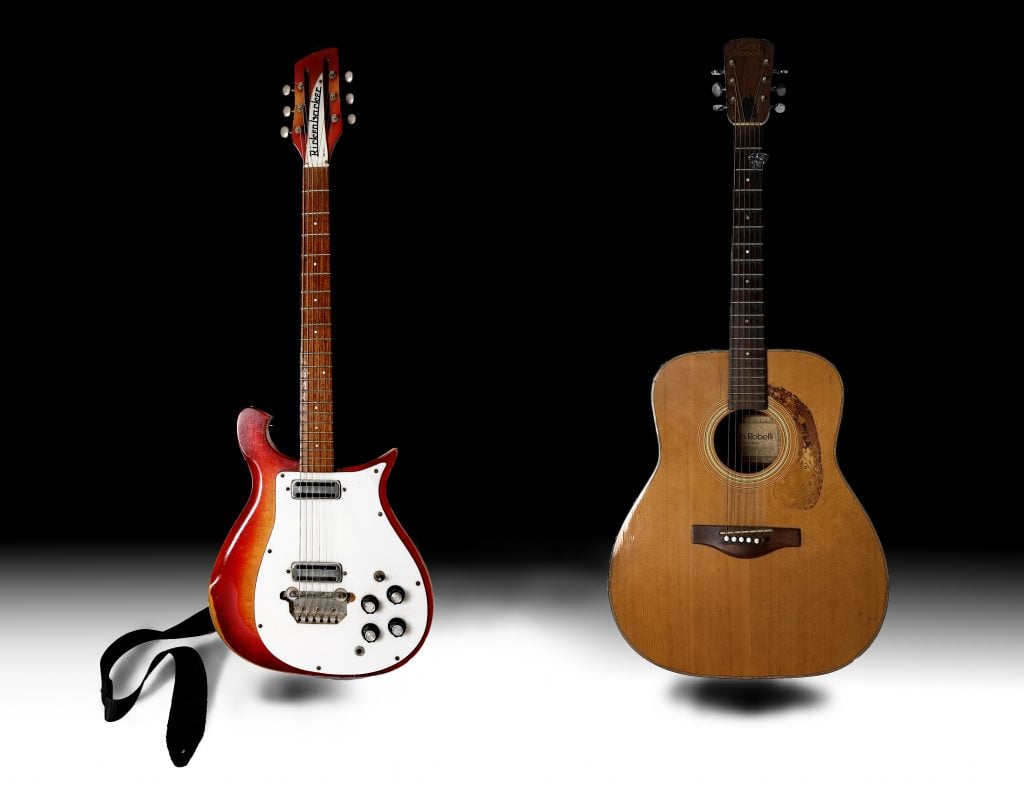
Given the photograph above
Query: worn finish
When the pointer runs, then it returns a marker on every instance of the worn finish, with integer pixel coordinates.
(800, 611)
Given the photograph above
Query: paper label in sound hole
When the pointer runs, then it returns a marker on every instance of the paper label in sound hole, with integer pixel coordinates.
(759, 438)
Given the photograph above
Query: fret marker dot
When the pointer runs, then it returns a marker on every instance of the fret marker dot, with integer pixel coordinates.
(747, 252)
(748, 217)
(748, 179)
(748, 353)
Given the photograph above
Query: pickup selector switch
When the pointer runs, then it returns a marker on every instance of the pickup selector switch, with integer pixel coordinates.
(396, 625)
(370, 604)
(396, 594)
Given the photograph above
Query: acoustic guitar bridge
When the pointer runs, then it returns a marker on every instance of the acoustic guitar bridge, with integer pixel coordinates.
(746, 542)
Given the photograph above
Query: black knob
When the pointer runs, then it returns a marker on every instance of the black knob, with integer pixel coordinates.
(378, 576)
(370, 604)
(396, 625)
(370, 632)
(396, 594)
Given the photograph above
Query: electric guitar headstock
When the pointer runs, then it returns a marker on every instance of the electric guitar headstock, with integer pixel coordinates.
(747, 82)
(317, 110)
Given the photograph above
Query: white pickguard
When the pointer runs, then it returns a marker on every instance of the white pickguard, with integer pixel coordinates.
(355, 532)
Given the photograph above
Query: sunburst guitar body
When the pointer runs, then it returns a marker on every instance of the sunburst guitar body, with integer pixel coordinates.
(317, 576)
(747, 554)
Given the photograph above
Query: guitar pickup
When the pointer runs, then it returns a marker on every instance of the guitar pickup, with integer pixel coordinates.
(318, 571)
(315, 489)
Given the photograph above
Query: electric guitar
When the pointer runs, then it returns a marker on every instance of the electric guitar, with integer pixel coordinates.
(317, 576)
(747, 554)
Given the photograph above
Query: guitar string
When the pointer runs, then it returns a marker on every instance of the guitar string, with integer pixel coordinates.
(733, 309)
(745, 297)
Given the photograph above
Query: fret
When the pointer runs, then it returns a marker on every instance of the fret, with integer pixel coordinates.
(746, 208)
(316, 399)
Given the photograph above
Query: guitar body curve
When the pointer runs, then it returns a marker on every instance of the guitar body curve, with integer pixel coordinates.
(298, 619)
(695, 601)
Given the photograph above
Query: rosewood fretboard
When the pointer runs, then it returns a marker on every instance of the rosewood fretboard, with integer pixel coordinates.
(316, 407)
(748, 373)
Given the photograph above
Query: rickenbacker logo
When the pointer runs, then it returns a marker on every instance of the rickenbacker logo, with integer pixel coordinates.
(314, 122)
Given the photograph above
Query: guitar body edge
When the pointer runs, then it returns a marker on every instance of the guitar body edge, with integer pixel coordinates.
(794, 611)
(233, 581)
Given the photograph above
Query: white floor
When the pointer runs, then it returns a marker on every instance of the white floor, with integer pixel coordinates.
(525, 693)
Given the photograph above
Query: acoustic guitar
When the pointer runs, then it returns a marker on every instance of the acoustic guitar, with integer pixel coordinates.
(747, 554)
(317, 576)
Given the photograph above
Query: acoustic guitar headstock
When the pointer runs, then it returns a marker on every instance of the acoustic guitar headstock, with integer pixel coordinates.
(316, 115)
(747, 82)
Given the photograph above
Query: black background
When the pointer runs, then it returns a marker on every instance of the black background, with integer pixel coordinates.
(513, 213)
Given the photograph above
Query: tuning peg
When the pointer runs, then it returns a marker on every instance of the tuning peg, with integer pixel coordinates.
(718, 107)
(284, 131)
(286, 110)
(351, 118)
(348, 77)
(780, 108)
(717, 72)
(780, 90)
(286, 90)
(350, 98)
(781, 72)
(717, 89)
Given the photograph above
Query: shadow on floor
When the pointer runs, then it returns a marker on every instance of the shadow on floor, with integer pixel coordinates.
(287, 687)
(747, 697)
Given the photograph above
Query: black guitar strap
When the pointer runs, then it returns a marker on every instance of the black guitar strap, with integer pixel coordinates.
(186, 722)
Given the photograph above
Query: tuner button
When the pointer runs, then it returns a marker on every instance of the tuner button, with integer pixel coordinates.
(717, 72)
(717, 89)
(780, 90)
(350, 98)
(286, 110)
(780, 108)
(370, 604)
(284, 131)
(396, 594)
(370, 632)
(781, 72)
(718, 107)
(396, 625)
(286, 90)
(348, 76)
(351, 118)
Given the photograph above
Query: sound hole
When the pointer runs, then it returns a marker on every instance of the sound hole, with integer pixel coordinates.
(747, 441)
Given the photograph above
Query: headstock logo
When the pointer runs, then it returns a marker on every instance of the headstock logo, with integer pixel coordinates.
(314, 121)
